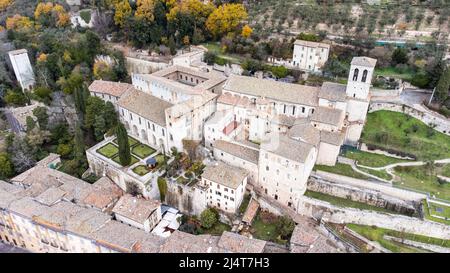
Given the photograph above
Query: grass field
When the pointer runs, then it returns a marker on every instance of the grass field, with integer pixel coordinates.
(422, 179)
(131, 141)
(215, 48)
(109, 150)
(342, 169)
(133, 160)
(381, 174)
(142, 150)
(376, 234)
(264, 227)
(400, 132)
(141, 170)
(430, 217)
(342, 202)
(404, 74)
(371, 159)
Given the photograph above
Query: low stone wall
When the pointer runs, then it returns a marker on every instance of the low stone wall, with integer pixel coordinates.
(367, 196)
(384, 188)
(310, 207)
(139, 66)
(439, 122)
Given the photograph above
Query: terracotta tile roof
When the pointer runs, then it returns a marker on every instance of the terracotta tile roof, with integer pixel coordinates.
(333, 91)
(364, 61)
(275, 90)
(329, 116)
(116, 89)
(136, 209)
(311, 44)
(181, 242)
(287, 147)
(104, 192)
(335, 138)
(236, 243)
(226, 175)
(251, 211)
(245, 153)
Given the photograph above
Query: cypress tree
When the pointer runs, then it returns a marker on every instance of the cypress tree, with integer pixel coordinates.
(443, 85)
(124, 146)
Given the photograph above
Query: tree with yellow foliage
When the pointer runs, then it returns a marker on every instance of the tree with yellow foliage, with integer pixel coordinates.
(19, 22)
(199, 9)
(122, 12)
(4, 4)
(246, 31)
(42, 58)
(145, 10)
(226, 18)
(51, 14)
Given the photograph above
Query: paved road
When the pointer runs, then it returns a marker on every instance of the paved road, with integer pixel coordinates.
(4, 248)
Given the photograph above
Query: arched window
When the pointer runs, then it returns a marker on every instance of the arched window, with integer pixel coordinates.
(364, 76)
(355, 74)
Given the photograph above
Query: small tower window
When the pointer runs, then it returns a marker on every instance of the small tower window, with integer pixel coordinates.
(364, 76)
(355, 74)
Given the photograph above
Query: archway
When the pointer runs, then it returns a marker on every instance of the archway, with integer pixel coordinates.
(144, 135)
(135, 131)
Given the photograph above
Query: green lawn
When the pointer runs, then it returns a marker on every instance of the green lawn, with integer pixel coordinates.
(342, 169)
(381, 174)
(264, 228)
(400, 132)
(131, 141)
(435, 207)
(376, 234)
(371, 159)
(217, 229)
(244, 204)
(133, 160)
(420, 178)
(142, 150)
(109, 150)
(141, 170)
(430, 217)
(405, 74)
(214, 47)
(342, 202)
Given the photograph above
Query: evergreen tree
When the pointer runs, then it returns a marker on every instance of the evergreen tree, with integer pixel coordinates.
(443, 86)
(172, 46)
(124, 146)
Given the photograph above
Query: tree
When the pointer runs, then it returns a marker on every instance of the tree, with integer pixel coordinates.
(6, 166)
(399, 56)
(443, 86)
(133, 188)
(80, 97)
(4, 4)
(246, 31)
(122, 12)
(42, 117)
(208, 218)
(285, 226)
(31, 124)
(124, 146)
(16, 98)
(145, 10)
(162, 186)
(64, 150)
(226, 18)
(172, 46)
(43, 92)
(19, 23)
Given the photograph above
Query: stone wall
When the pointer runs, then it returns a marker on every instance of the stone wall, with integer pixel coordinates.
(439, 122)
(312, 208)
(361, 195)
(189, 200)
(139, 66)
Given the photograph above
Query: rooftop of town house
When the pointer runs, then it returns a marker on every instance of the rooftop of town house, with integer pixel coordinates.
(311, 44)
(191, 104)
(229, 99)
(180, 242)
(104, 192)
(235, 149)
(284, 146)
(333, 91)
(236, 243)
(251, 211)
(307, 239)
(328, 115)
(149, 244)
(273, 90)
(145, 105)
(119, 236)
(10, 188)
(364, 61)
(334, 138)
(134, 208)
(304, 131)
(224, 174)
(51, 196)
(116, 89)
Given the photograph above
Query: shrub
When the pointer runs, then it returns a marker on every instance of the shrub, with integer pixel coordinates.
(208, 218)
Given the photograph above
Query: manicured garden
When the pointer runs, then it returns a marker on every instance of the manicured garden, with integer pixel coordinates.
(370, 159)
(109, 150)
(142, 151)
(269, 227)
(341, 169)
(133, 160)
(131, 141)
(422, 178)
(141, 170)
(342, 202)
(427, 215)
(377, 234)
(406, 135)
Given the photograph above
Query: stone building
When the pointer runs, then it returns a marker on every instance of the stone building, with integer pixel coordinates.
(22, 68)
